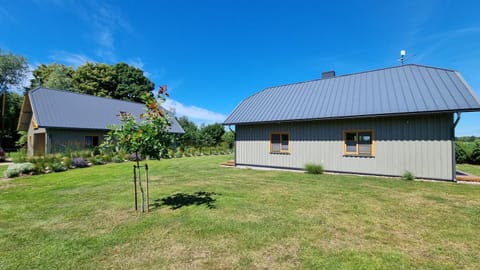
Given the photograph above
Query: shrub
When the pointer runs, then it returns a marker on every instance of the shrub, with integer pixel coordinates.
(39, 167)
(16, 169)
(117, 159)
(57, 167)
(178, 155)
(460, 154)
(475, 155)
(79, 162)
(107, 157)
(20, 156)
(67, 162)
(314, 168)
(408, 176)
(97, 160)
(12, 171)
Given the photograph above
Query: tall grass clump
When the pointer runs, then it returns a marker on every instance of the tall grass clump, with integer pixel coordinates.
(407, 175)
(312, 168)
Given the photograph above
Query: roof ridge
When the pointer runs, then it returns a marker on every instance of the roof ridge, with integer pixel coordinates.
(357, 73)
(81, 94)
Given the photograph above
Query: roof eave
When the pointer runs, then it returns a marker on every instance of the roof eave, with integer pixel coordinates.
(350, 117)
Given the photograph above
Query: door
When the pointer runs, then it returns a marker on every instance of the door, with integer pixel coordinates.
(39, 144)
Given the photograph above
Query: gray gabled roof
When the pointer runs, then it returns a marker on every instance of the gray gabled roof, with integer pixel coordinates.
(64, 109)
(397, 90)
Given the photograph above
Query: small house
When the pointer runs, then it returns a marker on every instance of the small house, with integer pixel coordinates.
(58, 120)
(381, 122)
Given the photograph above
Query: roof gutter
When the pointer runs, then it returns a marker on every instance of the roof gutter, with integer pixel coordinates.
(454, 160)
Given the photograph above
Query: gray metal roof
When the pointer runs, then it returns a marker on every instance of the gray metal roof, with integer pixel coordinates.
(64, 109)
(397, 90)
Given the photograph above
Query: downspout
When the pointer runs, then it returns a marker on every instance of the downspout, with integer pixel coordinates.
(234, 144)
(454, 160)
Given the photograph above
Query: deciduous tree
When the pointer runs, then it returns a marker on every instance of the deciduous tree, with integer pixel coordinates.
(131, 83)
(53, 75)
(191, 137)
(95, 79)
(147, 136)
(213, 131)
(13, 69)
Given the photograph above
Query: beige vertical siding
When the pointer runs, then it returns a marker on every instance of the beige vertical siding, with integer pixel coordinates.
(420, 144)
(61, 140)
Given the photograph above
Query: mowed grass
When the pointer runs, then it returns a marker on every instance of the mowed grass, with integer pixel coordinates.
(469, 168)
(222, 218)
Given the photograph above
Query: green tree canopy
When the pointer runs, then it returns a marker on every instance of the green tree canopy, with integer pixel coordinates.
(119, 81)
(13, 104)
(191, 137)
(131, 83)
(148, 137)
(95, 79)
(13, 69)
(53, 75)
(213, 131)
(475, 156)
(229, 139)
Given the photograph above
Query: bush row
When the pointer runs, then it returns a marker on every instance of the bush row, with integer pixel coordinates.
(24, 165)
(463, 155)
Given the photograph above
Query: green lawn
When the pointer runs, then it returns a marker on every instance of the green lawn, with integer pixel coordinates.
(3, 168)
(209, 217)
(469, 168)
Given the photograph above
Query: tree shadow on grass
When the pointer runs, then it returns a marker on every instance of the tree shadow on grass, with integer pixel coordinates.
(179, 200)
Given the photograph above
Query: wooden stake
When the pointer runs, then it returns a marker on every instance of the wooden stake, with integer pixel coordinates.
(146, 179)
(135, 186)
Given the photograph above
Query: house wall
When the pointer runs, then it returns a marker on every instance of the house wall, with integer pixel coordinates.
(420, 144)
(60, 140)
(31, 138)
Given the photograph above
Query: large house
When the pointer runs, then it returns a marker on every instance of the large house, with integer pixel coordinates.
(380, 122)
(59, 120)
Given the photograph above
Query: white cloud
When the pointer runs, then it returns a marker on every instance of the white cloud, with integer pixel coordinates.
(68, 58)
(199, 115)
(106, 20)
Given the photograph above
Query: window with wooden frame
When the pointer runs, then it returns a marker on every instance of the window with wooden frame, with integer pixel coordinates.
(91, 141)
(358, 143)
(279, 142)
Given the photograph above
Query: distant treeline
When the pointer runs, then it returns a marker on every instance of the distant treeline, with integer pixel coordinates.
(466, 139)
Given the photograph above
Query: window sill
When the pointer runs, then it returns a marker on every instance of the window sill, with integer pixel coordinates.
(359, 155)
(280, 153)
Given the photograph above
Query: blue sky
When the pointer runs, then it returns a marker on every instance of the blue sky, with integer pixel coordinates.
(213, 54)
